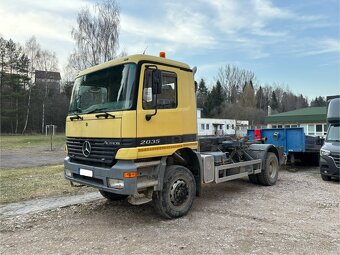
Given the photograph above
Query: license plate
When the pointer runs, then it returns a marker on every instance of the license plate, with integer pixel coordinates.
(86, 172)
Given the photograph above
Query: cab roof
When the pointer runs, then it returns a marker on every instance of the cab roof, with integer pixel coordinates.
(134, 59)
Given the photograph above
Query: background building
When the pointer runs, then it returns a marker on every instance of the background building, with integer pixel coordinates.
(49, 79)
(312, 119)
(208, 127)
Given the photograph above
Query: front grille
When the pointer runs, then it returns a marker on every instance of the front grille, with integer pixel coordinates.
(102, 150)
(336, 158)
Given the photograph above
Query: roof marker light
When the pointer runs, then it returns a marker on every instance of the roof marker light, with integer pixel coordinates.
(162, 54)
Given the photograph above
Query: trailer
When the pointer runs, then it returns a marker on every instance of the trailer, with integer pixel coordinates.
(296, 145)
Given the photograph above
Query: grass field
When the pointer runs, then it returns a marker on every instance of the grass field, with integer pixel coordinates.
(29, 141)
(21, 184)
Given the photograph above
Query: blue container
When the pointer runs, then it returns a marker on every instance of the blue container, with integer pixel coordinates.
(293, 140)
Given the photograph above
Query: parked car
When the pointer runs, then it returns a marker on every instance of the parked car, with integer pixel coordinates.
(330, 151)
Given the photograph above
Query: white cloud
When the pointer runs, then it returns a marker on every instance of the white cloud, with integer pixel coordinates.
(245, 16)
(178, 28)
(60, 6)
(265, 9)
(183, 29)
(328, 45)
(49, 21)
(41, 24)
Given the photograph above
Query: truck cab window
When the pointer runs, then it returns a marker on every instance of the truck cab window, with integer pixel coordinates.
(110, 89)
(168, 97)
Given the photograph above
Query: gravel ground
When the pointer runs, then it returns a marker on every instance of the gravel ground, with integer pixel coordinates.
(30, 157)
(299, 215)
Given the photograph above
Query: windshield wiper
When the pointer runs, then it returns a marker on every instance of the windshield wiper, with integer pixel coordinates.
(105, 114)
(96, 110)
(76, 117)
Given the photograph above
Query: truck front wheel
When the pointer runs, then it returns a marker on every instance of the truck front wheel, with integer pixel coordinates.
(177, 195)
(270, 172)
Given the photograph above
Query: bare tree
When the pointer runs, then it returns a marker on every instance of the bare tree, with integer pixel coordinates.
(96, 35)
(239, 112)
(233, 79)
(47, 62)
(32, 50)
(2, 59)
(267, 93)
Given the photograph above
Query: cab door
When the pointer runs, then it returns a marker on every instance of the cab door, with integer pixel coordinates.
(165, 127)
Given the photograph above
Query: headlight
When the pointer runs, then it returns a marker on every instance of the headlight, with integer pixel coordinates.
(324, 152)
(116, 183)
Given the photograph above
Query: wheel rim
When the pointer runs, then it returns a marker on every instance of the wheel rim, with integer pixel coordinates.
(273, 166)
(179, 192)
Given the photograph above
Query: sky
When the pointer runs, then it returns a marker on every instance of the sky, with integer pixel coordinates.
(292, 43)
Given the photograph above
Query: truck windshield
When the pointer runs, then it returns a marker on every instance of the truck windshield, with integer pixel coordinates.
(110, 89)
(334, 133)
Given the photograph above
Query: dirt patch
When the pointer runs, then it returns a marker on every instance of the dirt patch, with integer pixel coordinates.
(300, 215)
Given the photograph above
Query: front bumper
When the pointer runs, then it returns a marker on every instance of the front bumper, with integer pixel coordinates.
(328, 167)
(101, 175)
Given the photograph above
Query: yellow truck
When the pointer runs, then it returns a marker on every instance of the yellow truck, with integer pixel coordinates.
(132, 134)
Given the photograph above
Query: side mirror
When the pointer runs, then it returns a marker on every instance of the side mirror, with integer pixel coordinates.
(156, 89)
(156, 82)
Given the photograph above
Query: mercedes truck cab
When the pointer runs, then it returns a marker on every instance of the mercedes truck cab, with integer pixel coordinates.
(330, 151)
(132, 133)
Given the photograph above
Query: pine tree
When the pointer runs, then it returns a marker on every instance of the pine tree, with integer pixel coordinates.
(260, 103)
(318, 101)
(14, 78)
(274, 104)
(248, 97)
(202, 93)
(219, 94)
(214, 102)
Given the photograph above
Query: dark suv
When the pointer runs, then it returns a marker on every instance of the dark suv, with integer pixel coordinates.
(330, 154)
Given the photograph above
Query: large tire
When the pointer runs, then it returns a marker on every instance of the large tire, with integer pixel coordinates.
(326, 178)
(178, 193)
(270, 172)
(112, 196)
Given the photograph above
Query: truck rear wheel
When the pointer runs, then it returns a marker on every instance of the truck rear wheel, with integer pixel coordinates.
(270, 172)
(177, 195)
(112, 196)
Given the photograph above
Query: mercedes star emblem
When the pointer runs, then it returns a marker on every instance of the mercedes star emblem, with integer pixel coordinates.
(86, 148)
